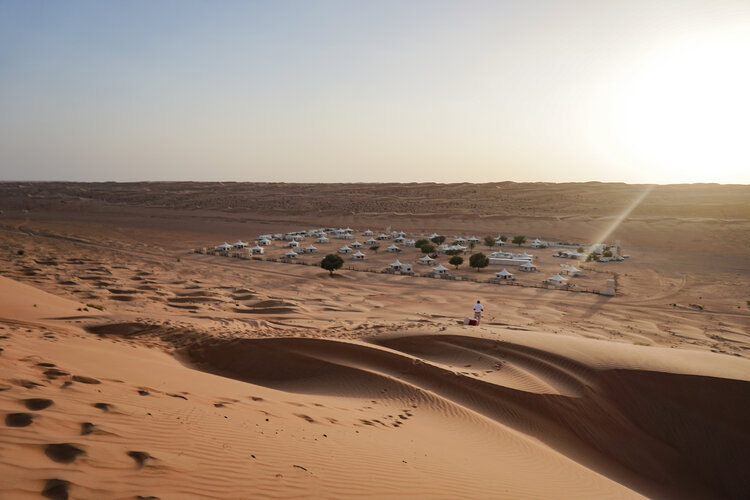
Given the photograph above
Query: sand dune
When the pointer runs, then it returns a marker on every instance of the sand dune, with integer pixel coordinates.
(130, 367)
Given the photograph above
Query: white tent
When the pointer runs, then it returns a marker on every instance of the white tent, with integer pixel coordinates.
(264, 242)
(396, 265)
(256, 250)
(426, 260)
(291, 254)
(556, 280)
(400, 239)
(440, 269)
(371, 241)
(572, 271)
(294, 244)
(504, 275)
(499, 242)
(239, 244)
(383, 236)
(527, 266)
(345, 250)
(394, 248)
(225, 247)
(459, 240)
(356, 244)
(311, 249)
(433, 235)
(359, 255)
(537, 243)
(323, 239)
(409, 243)
(367, 233)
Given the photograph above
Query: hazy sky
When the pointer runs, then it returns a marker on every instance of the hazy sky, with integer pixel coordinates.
(634, 91)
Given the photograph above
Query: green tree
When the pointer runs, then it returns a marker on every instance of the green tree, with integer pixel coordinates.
(454, 252)
(438, 240)
(519, 240)
(428, 248)
(456, 261)
(607, 253)
(472, 245)
(580, 250)
(479, 260)
(503, 238)
(375, 248)
(592, 256)
(420, 243)
(331, 262)
(489, 241)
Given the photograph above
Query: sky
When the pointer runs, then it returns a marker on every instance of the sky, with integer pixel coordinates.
(386, 91)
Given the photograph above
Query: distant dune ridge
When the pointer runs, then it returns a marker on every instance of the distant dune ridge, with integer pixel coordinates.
(130, 367)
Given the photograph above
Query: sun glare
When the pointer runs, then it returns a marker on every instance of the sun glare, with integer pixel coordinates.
(685, 114)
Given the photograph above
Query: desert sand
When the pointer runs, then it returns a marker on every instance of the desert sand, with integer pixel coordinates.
(131, 367)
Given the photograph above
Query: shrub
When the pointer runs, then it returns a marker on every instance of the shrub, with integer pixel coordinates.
(456, 261)
(519, 240)
(428, 248)
(607, 253)
(375, 248)
(438, 240)
(489, 241)
(479, 260)
(21, 252)
(331, 262)
(421, 243)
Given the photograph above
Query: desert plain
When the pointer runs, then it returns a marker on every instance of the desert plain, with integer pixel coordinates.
(133, 367)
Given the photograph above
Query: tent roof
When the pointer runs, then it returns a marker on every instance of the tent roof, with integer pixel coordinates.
(396, 264)
(440, 268)
(504, 272)
(557, 277)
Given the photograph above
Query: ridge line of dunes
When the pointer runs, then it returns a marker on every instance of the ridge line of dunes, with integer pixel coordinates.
(659, 433)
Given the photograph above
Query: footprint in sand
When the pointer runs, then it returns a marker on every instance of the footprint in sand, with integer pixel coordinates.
(53, 373)
(56, 489)
(140, 457)
(18, 419)
(64, 453)
(27, 384)
(87, 428)
(85, 380)
(37, 404)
